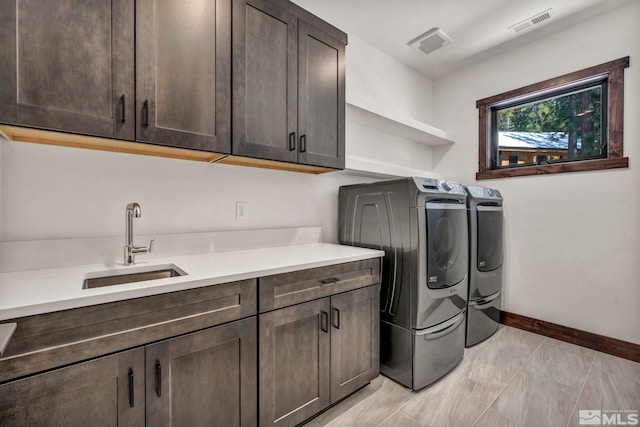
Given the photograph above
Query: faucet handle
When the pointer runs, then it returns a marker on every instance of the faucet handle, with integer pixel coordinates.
(150, 245)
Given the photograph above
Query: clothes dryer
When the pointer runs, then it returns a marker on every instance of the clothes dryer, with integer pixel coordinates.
(485, 263)
(421, 224)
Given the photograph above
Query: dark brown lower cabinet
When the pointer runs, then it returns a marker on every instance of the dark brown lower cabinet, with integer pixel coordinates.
(355, 340)
(316, 353)
(294, 363)
(315, 342)
(104, 392)
(206, 378)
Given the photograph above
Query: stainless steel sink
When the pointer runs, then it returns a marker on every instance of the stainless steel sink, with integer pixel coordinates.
(130, 275)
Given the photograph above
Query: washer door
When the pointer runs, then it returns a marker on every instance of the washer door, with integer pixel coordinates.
(447, 244)
(489, 237)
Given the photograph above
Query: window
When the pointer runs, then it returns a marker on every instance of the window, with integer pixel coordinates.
(567, 124)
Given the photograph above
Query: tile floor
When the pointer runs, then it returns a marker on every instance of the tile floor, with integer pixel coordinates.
(515, 378)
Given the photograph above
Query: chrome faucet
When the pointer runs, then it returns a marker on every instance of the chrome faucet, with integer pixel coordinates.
(130, 250)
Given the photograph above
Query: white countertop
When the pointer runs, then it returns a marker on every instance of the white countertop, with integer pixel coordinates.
(25, 293)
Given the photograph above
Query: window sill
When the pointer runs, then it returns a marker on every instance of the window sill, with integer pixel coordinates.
(579, 166)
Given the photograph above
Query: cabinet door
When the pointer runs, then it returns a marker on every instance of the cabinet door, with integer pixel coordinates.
(205, 378)
(321, 98)
(68, 65)
(103, 392)
(264, 81)
(294, 363)
(355, 339)
(183, 71)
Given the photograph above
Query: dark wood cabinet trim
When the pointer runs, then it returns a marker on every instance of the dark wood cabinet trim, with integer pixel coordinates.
(585, 165)
(613, 346)
(615, 72)
(605, 68)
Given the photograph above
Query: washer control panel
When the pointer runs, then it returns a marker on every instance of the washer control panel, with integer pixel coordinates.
(439, 185)
(484, 193)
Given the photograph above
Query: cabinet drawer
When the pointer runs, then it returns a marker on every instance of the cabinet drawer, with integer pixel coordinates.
(287, 289)
(49, 340)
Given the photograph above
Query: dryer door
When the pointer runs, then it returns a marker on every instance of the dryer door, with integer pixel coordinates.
(447, 244)
(489, 237)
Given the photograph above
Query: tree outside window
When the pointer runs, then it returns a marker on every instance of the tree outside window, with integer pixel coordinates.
(570, 123)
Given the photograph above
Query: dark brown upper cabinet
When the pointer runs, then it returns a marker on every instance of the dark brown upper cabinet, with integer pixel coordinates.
(68, 65)
(321, 98)
(160, 72)
(183, 74)
(288, 85)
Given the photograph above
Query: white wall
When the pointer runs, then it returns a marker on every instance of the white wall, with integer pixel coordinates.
(55, 192)
(572, 240)
(376, 77)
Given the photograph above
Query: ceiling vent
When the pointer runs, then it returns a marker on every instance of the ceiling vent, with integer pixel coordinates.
(530, 22)
(430, 41)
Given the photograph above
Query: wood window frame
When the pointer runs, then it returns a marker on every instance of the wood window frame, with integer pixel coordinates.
(614, 72)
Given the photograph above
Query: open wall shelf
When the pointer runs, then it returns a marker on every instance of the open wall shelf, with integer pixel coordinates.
(372, 115)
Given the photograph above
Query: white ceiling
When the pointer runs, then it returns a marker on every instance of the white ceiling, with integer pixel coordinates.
(478, 28)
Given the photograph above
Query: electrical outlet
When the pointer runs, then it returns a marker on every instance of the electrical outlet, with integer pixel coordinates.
(242, 211)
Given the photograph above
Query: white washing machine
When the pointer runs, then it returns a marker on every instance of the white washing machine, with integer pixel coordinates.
(485, 263)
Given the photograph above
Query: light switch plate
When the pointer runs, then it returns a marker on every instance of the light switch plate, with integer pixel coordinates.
(242, 211)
